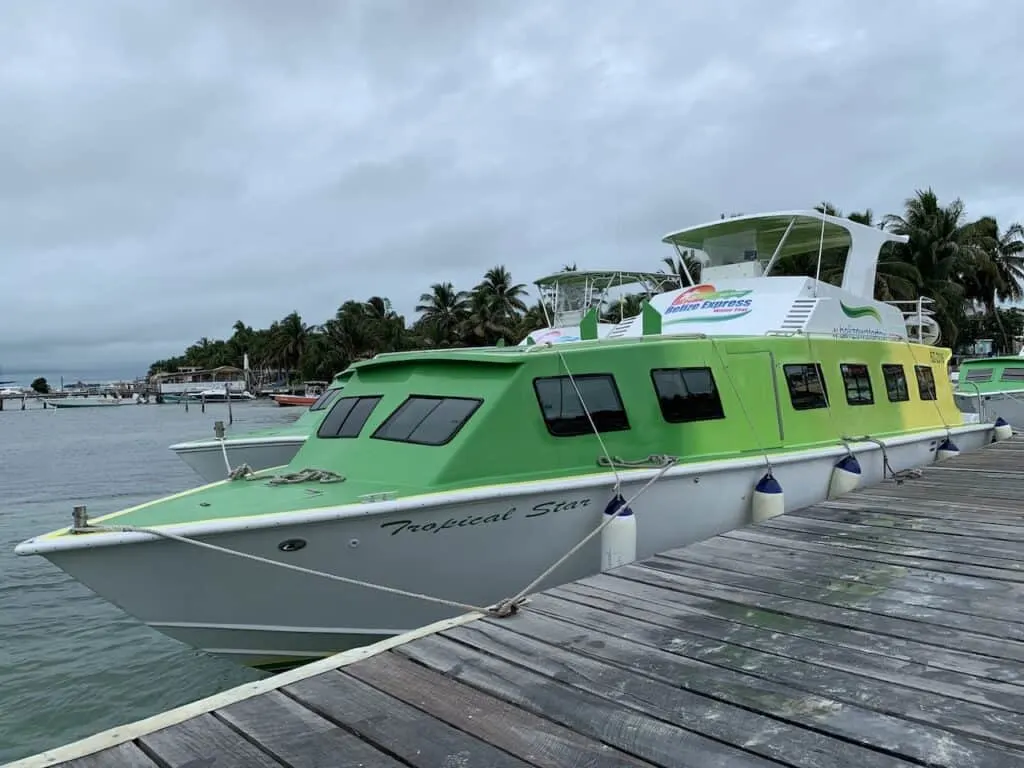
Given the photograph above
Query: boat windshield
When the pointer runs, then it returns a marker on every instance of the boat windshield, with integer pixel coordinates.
(325, 399)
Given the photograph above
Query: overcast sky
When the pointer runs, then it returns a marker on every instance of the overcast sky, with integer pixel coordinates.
(169, 167)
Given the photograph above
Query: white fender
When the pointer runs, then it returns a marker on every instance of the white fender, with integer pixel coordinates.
(947, 449)
(1002, 431)
(618, 538)
(846, 476)
(767, 500)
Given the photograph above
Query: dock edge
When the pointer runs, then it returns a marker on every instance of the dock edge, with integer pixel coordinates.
(120, 734)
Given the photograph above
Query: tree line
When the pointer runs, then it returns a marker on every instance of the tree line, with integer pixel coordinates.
(967, 266)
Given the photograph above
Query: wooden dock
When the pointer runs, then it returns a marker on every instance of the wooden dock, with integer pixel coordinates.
(884, 629)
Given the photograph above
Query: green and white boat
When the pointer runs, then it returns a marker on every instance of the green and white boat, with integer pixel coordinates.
(992, 388)
(215, 458)
(464, 475)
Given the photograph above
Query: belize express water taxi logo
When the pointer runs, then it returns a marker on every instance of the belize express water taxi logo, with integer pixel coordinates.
(705, 303)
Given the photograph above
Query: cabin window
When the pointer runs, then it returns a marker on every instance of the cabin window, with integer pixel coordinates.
(925, 382)
(687, 394)
(427, 420)
(563, 412)
(895, 382)
(979, 375)
(347, 417)
(325, 399)
(806, 384)
(857, 380)
(1012, 374)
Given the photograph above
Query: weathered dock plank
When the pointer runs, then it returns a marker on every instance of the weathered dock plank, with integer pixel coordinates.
(885, 628)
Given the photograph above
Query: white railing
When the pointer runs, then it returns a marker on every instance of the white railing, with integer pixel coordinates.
(916, 315)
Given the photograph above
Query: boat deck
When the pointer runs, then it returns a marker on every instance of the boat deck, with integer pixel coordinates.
(882, 629)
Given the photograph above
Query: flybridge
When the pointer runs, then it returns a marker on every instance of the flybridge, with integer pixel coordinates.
(739, 295)
(758, 306)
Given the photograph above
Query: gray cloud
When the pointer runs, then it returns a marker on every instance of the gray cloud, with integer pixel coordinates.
(167, 168)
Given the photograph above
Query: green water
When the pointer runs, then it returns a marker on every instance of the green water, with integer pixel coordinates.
(72, 664)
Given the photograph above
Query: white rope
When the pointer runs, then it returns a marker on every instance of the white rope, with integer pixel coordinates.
(227, 464)
(307, 475)
(898, 475)
(502, 608)
(590, 419)
(510, 605)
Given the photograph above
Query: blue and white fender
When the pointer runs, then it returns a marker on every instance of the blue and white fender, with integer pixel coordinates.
(767, 500)
(846, 475)
(618, 538)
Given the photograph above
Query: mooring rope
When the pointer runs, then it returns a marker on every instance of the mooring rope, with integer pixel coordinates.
(899, 476)
(502, 608)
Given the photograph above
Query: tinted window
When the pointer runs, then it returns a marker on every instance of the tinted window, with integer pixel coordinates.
(895, 383)
(687, 394)
(347, 417)
(563, 412)
(325, 399)
(806, 386)
(979, 375)
(1012, 374)
(427, 420)
(925, 382)
(858, 384)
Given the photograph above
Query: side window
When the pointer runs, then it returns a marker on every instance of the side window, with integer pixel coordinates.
(325, 399)
(979, 375)
(806, 386)
(857, 380)
(1012, 374)
(427, 420)
(563, 412)
(925, 382)
(347, 417)
(895, 382)
(687, 394)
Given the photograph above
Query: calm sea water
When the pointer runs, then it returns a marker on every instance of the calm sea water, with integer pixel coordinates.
(72, 664)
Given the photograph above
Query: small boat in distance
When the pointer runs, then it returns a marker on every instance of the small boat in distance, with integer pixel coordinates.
(213, 395)
(92, 401)
(313, 391)
(213, 459)
(470, 477)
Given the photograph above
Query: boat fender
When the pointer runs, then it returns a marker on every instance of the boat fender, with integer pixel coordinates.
(767, 500)
(846, 475)
(1002, 431)
(618, 538)
(947, 449)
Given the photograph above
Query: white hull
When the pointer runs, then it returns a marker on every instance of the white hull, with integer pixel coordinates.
(1009, 406)
(206, 457)
(476, 547)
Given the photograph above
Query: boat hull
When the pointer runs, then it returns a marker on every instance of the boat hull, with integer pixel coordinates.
(1009, 406)
(84, 403)
(476, 549)
(294, 400)
(206, 457)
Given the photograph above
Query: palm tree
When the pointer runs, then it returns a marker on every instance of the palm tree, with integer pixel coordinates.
(941, 244)
(496, 306)
(443, 311)
(292, 337)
